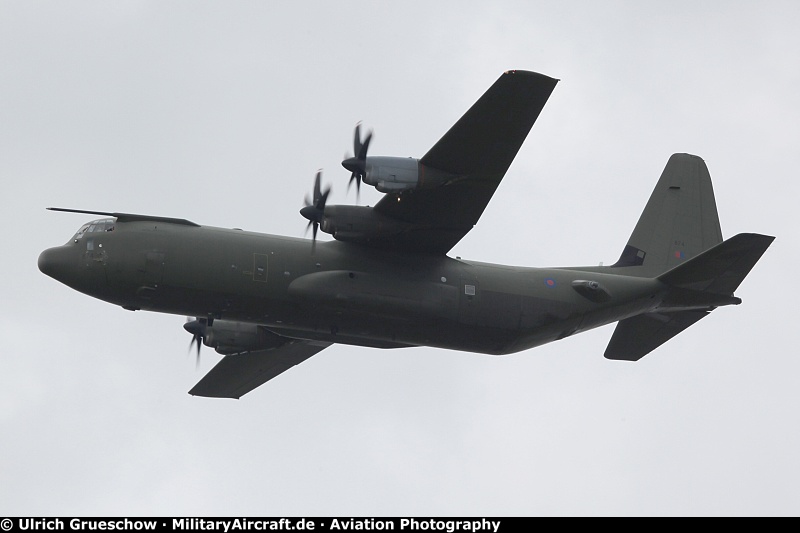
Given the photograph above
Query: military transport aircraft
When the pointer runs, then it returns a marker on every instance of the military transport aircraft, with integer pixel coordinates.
(267, 303)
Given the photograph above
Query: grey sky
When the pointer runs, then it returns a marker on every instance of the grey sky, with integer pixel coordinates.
(221, 113)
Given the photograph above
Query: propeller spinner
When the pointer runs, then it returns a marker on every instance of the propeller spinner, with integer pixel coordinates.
(197, 328)
(314, 211)
(358, 163)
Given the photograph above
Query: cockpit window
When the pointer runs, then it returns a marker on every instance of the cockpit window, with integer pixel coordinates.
(81, 232)
(94, 227)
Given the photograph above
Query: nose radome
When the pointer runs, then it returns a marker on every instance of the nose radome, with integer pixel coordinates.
(59, 264)
(69, 265)
(47, 262)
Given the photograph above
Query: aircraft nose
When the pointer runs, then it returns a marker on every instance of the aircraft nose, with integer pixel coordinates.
(74, 268)
(62, 264)
(48, 263)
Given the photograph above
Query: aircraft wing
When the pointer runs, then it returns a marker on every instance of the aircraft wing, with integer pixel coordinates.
(477, 151)
(236, 375)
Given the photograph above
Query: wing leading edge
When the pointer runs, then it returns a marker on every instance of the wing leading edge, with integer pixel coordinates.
(477, 151)
(236, 375)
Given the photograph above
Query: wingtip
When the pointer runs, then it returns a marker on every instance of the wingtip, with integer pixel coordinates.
(194, 394)
(530, 73)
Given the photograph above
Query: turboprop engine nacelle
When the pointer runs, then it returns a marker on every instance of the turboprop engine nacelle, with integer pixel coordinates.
(394, 174)
(229, 338)
(354, 223)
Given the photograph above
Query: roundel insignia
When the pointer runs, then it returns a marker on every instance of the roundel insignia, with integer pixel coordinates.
(550, 282)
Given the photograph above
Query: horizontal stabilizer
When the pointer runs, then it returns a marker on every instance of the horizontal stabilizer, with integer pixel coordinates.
(720, 269)
(236, 375)
(637, 336)
(705, 282)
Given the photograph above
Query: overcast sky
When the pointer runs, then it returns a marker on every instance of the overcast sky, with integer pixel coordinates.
(222, 112)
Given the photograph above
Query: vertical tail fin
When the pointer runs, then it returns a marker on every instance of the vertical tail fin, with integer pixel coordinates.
(678, 239)
(679, 221)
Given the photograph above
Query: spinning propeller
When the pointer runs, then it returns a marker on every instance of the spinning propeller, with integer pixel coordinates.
(315, 211)
(358, 163)
(197, 328)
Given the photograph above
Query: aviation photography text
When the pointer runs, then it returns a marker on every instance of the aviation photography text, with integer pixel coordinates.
(232, 525)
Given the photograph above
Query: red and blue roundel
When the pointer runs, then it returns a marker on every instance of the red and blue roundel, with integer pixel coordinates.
(550, 282)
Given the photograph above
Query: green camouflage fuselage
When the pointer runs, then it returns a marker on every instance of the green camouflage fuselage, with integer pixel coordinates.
(344, 293)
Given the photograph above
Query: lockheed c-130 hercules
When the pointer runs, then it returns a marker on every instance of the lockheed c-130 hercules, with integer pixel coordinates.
(267, 303)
